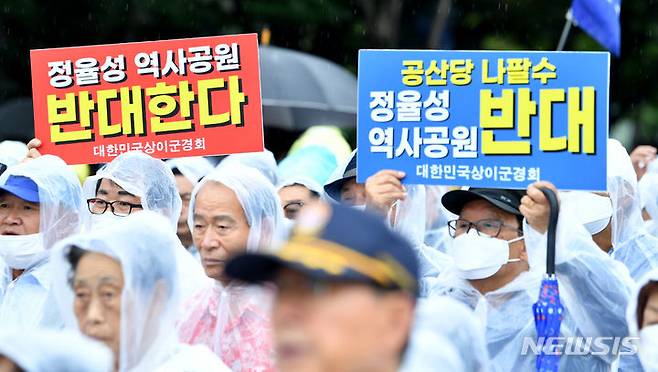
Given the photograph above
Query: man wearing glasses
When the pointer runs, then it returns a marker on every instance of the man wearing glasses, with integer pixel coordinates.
(487, 213)
(133, 182)
(499, 252)
(108, 189)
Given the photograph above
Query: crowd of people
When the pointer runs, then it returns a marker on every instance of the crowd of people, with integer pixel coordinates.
(243, 264)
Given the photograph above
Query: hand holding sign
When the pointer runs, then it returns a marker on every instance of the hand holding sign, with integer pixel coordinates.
(383, 189)
(535, 207)
(484, 118)
(32, 152)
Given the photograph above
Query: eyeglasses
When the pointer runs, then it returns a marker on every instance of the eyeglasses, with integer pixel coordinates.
(486, 227)
(119, 208)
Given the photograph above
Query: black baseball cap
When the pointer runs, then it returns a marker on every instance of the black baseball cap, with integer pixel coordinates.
(333, 189)
(507, 200)
(351, 246)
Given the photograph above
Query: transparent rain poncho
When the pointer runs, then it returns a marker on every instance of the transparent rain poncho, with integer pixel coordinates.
(145, 247)
(153, 181)
(263, 161)
(27, 301)
(436, 225)
(634, 327)
(144, 176)
(193, 168)
(594, 290)
(446, 334)
(427, 350)
(410, 221)
(12, 152)
(60, 196)
(648, 186)
(55, 351)
(631, 243)
(309, 167)
(234, 321)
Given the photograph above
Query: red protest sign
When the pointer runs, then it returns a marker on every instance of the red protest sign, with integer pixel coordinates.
(170, 98)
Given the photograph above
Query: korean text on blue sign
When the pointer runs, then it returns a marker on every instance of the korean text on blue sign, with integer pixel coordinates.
(484, 118)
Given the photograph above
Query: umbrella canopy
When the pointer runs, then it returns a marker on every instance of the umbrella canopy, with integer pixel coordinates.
(548, 309)
(301, 90)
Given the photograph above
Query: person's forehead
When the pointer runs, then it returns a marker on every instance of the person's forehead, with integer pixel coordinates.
(217, 197)
(9, 197)
(481, 208)
(109, 185)
(97, 266)
(285, 273)
(350, 183)
(289, 275)
(295, 191)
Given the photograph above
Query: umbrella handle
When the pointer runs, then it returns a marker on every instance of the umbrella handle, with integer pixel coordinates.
(552, 229)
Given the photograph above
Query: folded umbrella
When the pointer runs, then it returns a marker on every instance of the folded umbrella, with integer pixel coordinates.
(548, 310)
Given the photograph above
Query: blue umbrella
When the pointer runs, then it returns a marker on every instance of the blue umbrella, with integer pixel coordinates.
(548, 310)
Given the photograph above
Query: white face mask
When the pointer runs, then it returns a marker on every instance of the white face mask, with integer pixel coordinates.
(591, 210)
(648, 352)
(100, 221)
(479, 257)
(22, 251)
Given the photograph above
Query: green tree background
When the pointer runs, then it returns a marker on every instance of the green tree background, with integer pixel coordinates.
(337, 29)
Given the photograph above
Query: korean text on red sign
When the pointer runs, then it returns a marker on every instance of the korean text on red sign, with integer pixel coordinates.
(170, 98)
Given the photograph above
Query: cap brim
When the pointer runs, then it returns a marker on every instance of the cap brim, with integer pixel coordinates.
(455, 200)
(257, 268)
(333, 189)
(25, 194)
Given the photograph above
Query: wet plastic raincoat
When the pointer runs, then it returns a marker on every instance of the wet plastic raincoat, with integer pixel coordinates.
(631, 243)
(234, 320)
(594, 290)
(26, 302)
(145, 247)
(55, 351)
(153, 181)
(445, 334)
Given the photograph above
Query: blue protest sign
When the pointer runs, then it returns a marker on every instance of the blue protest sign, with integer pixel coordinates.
(484, 118)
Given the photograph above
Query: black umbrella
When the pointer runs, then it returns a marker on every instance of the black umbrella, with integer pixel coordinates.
(301, 90)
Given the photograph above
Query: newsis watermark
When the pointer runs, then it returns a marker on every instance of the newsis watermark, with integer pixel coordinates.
(580, 345)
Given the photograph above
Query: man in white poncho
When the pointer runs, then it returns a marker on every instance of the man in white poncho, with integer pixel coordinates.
(134, 182)
(235, 208)
(40, 204)
(499, 265)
